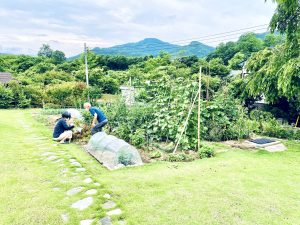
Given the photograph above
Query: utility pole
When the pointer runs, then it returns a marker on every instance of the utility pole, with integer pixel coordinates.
(207, 84)
(86, 71)
(199, 101)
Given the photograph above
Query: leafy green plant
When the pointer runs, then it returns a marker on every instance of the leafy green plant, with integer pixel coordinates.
(138, 138)
(125, 158)
(179, 157)
(206, 152)
(155, 154)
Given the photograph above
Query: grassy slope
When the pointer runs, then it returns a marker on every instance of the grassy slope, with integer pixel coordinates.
(27, 179)
(236, 187)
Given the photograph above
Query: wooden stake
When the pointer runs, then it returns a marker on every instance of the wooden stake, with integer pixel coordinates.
(199, 98)
(297, 120)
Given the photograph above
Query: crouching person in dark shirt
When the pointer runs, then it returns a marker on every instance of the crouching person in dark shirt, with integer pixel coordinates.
(62, 131)
(99, 119)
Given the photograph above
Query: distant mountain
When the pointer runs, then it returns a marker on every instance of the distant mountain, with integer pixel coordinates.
(152, 46)
(263, 35)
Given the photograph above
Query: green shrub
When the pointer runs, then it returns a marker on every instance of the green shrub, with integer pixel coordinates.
(122, 131)
(125, 158)
(6, 97)
(206, 152)
(87, 117)
(179, 157)
(138, 138)
(155, 154)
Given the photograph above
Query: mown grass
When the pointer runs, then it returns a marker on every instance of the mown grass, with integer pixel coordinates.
(235, 187)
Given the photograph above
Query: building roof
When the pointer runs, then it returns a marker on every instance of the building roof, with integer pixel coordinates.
(5, 77)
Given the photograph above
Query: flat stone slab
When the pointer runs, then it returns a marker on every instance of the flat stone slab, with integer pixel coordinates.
(52, 157)
(105, 221)
(77, 164)
(97, 184)
(86, 222)
(74, 191)
(65, 217)
(73, 160)
(122, 222)
(109, 205)
(48, 153)
(88, 180)
(276, 148)
(108, 196)
(114, 212)
(91, 192)
(80, 169)
(58, 160)
(83, 204)
(56, 189)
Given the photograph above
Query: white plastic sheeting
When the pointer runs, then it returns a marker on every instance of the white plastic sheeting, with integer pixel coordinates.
(75, 114)
(113, 152)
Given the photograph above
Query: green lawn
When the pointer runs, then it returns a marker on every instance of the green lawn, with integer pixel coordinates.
(235, 187)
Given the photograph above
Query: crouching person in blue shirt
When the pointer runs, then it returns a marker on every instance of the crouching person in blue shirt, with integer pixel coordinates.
(99, 119)
(62, 131)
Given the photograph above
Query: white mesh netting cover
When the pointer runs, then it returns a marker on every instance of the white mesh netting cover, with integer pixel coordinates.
(113, 152)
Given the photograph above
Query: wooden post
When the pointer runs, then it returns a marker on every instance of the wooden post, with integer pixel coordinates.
(86, 71)
(199, 98)
(297, 120)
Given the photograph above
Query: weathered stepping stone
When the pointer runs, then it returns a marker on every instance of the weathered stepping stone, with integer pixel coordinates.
(91, 192)
(72, 160)
(77, 164)
(64, 170)
(105, 221)
(114, 212)
(109, 205)
(86, 222)
(52, 157)
(83, 204)
(56, 189)
(58, 160)
(121, 222)
(80, 169)
(88, 180)
(48, 153)
(97, 184)
(107, 196)
(74, 191)
(65, 217)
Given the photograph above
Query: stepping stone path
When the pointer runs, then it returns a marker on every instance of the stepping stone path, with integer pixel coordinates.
(91, 192)
(74, 191)
(114, 212)
(86, 222)
(105, 221)
(83, 204)
(49, 153)
(88, 180)
(109, 205)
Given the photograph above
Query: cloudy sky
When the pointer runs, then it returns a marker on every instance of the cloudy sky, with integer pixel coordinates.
(66, 24)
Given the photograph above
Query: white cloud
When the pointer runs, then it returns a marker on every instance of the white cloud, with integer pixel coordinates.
(67, 24)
